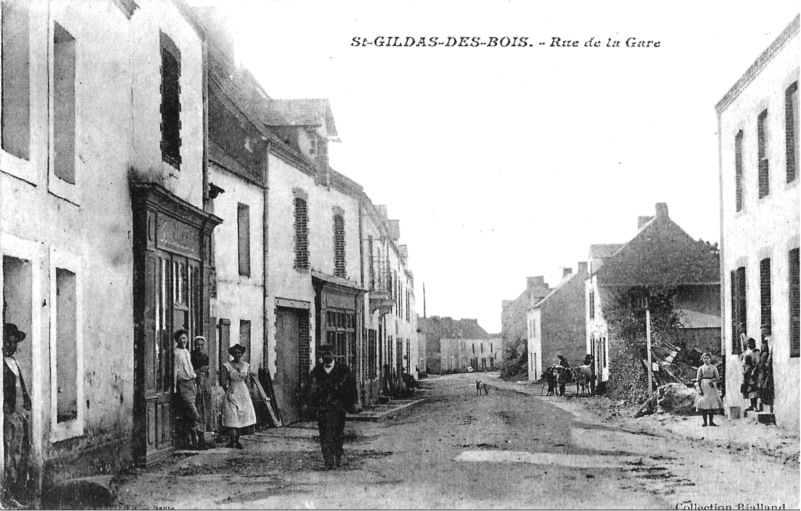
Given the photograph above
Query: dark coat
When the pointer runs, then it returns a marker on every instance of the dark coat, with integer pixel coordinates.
(335, 390)
(10, 391)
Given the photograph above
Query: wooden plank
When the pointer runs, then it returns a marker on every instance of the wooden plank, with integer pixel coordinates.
(267, 402)
(267, 383)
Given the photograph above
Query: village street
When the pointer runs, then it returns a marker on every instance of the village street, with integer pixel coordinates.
(510, 448)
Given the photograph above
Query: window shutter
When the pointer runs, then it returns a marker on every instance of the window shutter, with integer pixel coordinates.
(795, 305)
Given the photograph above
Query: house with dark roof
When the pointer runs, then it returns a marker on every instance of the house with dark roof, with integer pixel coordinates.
(456, 344)
(514, 312)
(556, 324)
(660, 256)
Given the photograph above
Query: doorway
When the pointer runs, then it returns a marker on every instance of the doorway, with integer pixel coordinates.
(292, 360)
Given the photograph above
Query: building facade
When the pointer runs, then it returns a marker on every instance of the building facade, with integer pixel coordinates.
(556, 324)
(759, 155)
(105, 241)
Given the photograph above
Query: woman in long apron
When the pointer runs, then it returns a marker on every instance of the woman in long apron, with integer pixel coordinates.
(708, 400)
(238, 414)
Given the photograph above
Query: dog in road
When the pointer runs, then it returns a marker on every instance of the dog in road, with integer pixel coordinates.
(481, 386)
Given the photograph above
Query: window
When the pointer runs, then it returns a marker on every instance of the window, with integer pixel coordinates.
(592, 304)
(372, 360)
(339, 246)
(63, 97)
(738, 312)
(738, 170)
(372, 265)
(243, 231)
(16, 84)
(66, 347)
(764, 173)
(244, 337)
(340, 331)
(791, 130)
(474, 348)
(764, 292)
(301, 234)
(170, 102)
(795, 305)
(66, 336)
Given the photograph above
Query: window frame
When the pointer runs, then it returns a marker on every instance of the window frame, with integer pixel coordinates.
(70, 429)
(763, 158)
(791, 126)
(168, 45)
(243, 239)
(55, 184)
(9, 163)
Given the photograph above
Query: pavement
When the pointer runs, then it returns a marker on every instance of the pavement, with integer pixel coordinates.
(393, 408)
(744, 435)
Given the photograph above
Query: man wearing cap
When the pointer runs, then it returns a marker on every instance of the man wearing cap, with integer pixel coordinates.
(16, 408)
(331, 393)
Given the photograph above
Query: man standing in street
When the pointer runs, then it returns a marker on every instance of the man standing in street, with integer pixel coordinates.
(331, 393)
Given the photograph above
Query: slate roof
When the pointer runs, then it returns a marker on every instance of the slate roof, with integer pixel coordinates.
(582, 275)
(661, 254)
(436, 327)
(301, 112)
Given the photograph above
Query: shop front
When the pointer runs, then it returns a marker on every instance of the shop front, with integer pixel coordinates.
(172, 283)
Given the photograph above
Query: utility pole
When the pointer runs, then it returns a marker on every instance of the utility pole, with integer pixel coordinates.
(650, 364)
(424, 300)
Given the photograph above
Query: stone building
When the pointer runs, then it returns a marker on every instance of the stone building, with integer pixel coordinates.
(660, 256)
(514, 329)
(758, 140)
(556, 324)
(103, 233)
(453, 345)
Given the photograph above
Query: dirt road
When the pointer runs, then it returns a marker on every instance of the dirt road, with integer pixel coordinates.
(459, 450)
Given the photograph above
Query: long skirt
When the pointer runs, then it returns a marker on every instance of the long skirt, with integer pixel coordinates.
(708, 399)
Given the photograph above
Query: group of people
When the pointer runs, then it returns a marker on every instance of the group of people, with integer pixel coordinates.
(193, 391)
(757, 385)
(331, 394)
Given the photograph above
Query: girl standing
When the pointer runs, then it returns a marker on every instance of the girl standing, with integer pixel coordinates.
(238, 414)
(708, 399)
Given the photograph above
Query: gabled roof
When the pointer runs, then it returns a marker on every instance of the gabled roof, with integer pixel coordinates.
(661, 254)
(579, 274)
(448, 328)
(301, 112)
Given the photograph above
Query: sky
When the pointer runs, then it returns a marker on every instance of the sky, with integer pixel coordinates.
(508, 162)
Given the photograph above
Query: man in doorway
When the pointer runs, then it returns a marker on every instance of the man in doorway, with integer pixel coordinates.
(185, 390)
(16, 411)
(331, 393)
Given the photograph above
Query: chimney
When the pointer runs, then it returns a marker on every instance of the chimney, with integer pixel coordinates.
(404, 251)
(582, 267)
(642, 220)
(534, 282)
(382, 210)
(566, 272)
(394, 230)
(661, 210)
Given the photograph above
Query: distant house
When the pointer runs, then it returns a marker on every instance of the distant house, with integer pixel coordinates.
(759, 192)
(514, 313)
(556, 324)
(454, 344)
(661, 254)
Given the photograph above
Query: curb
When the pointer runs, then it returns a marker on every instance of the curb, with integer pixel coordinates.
(375, 416)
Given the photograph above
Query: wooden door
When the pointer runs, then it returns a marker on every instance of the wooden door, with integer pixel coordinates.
(157, 360)
(288, 376)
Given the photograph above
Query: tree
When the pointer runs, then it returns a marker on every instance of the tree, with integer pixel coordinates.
(625, 316)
